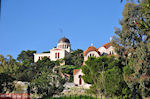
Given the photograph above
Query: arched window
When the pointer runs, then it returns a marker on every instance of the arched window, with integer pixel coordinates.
(55, 55)
(58, 55)
(80, 80)
(112, 52)
(39, 58)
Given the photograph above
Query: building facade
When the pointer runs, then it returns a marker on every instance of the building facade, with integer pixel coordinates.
(62, 50)
(106, 49)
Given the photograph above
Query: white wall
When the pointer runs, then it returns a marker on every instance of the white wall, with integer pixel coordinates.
(102, 50)
(60, 51)
(76, 77)
(67, 46)
(108, 51)
(76, 80)
(41, 55)
(92, 53)
(51, 55)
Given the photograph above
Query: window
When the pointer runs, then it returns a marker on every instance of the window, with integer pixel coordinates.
(39, 58)
(58, 55)
(55, 55)
(110, 53)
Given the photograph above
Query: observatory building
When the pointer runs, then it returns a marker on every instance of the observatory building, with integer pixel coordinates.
(62, 50)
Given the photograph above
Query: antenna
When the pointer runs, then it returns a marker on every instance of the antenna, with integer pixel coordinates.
(61, 31)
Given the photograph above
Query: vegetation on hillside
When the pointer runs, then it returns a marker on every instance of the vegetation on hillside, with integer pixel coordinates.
(105, 75)
(75, 58)
(132, 43)
(126, 76)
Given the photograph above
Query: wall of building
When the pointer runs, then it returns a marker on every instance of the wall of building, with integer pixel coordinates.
(65, 46)
(55, 51)
(40, 56)
(89, 54)
(76, 78)
(107, 51)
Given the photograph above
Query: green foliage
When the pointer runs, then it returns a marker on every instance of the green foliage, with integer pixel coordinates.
(46, 80)
(6, 83)
(47, 84)
(26, 57)
(46, 52)
(45, 63)
(42, 76)
(24, 73)
(114, 82)
(105, 75)
(8, 65)
(67, 69)
(75, 58)
(132, 43)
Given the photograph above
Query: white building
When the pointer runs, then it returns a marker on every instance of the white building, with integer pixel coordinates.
(62, 50)
(106, 49)
(78, 78)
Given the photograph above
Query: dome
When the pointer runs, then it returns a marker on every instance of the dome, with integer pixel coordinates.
(64, 40)
(91, 48)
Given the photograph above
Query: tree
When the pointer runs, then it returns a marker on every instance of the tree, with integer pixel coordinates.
(105, 75)
(67, 69)
(47, 84)
(75, 58)
(6, 83)
(24, 73)
(8, 65)
(132, 43)
(46, 81)
(26, 57)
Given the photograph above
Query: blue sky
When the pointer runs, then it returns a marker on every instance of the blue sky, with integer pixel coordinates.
(37, 24)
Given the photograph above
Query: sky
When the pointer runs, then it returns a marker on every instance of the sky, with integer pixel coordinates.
(39, 24)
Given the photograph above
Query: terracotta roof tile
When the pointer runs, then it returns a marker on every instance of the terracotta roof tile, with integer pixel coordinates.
(107, 45)
(75, 71)
(91, 48)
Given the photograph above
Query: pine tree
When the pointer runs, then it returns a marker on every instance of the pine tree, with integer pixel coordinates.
(132, 43)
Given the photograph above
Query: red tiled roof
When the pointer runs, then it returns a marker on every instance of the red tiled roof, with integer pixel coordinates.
(107, 45)
(91, 48)
(75, 71)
